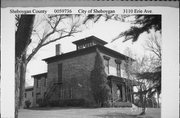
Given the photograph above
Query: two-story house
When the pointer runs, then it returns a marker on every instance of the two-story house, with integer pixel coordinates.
(68, 75)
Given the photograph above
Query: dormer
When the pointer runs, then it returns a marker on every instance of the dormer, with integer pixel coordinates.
(88, 42)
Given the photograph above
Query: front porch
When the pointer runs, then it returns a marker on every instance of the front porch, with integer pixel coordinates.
(121, 90)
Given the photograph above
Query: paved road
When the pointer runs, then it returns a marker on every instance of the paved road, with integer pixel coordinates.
(87, 113)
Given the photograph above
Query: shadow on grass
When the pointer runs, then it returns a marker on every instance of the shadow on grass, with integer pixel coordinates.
(117, 115)
(59, 108)
(121, 115)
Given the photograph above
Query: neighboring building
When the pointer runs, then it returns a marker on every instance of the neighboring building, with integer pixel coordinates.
(40, 86)
(28, 96)
(68, 75)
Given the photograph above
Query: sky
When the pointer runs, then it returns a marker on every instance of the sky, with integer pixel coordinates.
(105, 30)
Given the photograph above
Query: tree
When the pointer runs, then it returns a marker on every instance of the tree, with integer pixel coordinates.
(99, 84)
(141, 24)
(144, 85)
(154, 75)
(150, 76)
(154, 46)
(22, 39)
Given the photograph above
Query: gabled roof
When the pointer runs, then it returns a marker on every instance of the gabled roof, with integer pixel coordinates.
(84, 51)
(89, 39)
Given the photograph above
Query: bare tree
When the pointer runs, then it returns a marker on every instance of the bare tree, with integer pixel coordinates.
(133, 69)
(154, 44)
(144, 85)
(22, 38)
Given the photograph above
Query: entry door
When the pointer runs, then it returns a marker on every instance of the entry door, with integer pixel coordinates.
(120, 92)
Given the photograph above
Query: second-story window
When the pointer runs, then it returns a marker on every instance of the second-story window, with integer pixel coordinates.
(25, 95)
(38, 83)
(60, 73)
(106, 63)
(118, 68)
(45, 79)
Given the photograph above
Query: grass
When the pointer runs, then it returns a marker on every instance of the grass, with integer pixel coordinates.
(71, 112)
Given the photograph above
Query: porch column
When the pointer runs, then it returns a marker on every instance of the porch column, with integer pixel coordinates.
(132, 95)
(123, 93)
(127, 93)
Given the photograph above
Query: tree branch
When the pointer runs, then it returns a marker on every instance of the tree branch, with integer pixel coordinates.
(42, 41)
(51, 41)
(38, 46)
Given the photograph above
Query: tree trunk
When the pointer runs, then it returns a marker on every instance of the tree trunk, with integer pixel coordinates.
(22, 40)
(144, 106)
(126, 92)
(141, 96)
(22, 81)
(17, 82)
(19, 85)
(158, 106)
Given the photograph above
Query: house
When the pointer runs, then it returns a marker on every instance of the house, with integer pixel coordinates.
(40, 86)
(68, 75)
(28, 96)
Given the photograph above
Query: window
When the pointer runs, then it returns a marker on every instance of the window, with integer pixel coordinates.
(118, 68)
(44, 94)
(106, 63)
(25, 95)
(80, 46)
(38, 83)
(45, 79)
(60, 73)
(38, 98)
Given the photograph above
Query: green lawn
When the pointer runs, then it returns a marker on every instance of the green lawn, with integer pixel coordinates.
(87, 113)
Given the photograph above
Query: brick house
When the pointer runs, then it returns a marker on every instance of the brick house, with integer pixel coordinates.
(68, 75)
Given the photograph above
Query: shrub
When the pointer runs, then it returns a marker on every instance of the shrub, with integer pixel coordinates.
(67, 102)
(99, 84)
(41, 103)
(28, 103)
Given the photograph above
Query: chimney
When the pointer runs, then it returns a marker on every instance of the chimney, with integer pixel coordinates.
(58, 49)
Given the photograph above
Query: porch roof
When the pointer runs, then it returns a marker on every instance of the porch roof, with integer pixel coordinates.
(123, 80)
